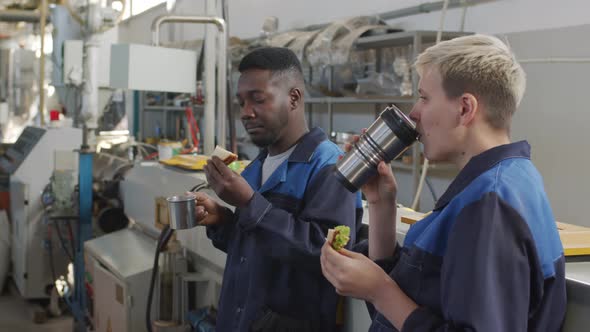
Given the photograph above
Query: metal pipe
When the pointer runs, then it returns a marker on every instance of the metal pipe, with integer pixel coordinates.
(208, 142)
(427, 8)
(463, 15)
(424, 8)
(233, 142)
(209, 79)
(43, 18)
(14, 15)
(217, 21)
(554, 60)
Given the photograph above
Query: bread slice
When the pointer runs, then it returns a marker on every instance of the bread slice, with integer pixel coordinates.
(226, 156)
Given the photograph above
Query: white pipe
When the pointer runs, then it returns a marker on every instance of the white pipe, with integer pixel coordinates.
(42, 63)
(463, 15)
(416, 200)
(210, 61)
(209, 83)
(92, 47)
(441, 26)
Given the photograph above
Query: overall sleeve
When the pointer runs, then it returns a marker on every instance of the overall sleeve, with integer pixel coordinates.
(298, 238)
(221, 235)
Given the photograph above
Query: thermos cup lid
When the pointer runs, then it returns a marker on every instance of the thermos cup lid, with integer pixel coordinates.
(400, 124)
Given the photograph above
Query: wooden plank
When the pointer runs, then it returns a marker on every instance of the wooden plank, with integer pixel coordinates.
(409, 216)
(575, 239)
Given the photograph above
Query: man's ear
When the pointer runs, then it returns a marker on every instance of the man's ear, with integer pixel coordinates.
(295, 98)
(469, 108)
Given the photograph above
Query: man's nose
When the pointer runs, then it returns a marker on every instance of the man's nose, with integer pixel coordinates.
(247, 111)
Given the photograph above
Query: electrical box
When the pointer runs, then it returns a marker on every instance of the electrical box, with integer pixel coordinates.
(73, 61)
(151, 68)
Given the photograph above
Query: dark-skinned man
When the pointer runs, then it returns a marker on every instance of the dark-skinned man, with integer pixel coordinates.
(285, 201)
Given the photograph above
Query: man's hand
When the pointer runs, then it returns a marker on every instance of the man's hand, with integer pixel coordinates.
(353, 274)
(210, 213)
(227, 184)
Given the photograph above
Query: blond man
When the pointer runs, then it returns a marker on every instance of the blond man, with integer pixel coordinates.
(489, 257)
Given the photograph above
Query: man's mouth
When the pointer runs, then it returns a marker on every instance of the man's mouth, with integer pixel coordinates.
(253, 128)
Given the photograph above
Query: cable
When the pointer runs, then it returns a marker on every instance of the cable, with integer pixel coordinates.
(431, 188)
(147, 145)
(112, 156)
(141, 149)
(62, 242)
(199, 187)
(51, 260)
(416, 200)
(71, 233)
(165, 236)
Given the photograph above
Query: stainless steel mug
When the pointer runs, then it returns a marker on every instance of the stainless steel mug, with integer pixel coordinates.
(181, 211)
(386, 139)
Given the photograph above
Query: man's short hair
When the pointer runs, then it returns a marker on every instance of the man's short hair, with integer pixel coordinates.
(483, 66)
(278, 60)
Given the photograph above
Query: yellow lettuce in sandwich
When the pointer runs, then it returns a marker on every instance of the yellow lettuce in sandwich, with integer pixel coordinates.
(339, 236)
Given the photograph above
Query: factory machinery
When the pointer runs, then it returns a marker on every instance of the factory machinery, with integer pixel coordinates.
(102, 211)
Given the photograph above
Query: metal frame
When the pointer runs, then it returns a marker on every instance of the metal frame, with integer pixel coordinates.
(208, 141)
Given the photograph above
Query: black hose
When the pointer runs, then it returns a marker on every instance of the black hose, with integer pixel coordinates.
(71, 234)
(51, 260)
(199, 187)
(62, 241)
(165, 236)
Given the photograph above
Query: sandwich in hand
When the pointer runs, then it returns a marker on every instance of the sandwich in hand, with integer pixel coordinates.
(338, 237)
(226, 156)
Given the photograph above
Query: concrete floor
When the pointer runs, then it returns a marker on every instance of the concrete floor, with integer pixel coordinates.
(15, 316)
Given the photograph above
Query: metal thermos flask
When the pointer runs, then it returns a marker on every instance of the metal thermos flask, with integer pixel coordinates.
(386, 139)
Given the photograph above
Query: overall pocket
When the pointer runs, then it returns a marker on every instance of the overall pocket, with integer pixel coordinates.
(270, 321)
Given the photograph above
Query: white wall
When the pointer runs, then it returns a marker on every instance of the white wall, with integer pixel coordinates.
(554, 116)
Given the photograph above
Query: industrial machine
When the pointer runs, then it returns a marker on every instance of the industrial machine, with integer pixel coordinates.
(143, 191)
(29, 164)
(120, 265)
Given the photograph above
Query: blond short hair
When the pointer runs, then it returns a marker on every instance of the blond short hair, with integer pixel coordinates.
(483, 66)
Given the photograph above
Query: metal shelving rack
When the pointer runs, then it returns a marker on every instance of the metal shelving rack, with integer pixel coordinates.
(165, 110)
(417, 39)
